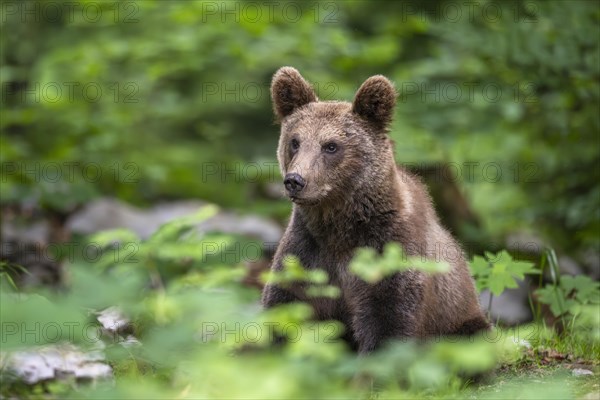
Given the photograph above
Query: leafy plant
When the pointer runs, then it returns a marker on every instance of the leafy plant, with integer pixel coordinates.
(570, 295)
(202, 334)
(498, 272)
(575, 300)
(174, 249)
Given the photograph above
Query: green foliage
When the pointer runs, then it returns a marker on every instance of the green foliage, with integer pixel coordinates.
(175, 121)
(570, 295)
(518, 93)
(575, 301)
(498, 272)
(202, 334)
(175, 248)
(190, 324)
(538, 127)
(372, 268)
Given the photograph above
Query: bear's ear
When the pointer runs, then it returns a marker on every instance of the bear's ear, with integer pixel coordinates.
(290, 91)
(375, 101)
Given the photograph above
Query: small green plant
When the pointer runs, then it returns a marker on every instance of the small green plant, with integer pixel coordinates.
(570, 295)
(498, 272)
(566, 295)
(7, 271)
(570, 324)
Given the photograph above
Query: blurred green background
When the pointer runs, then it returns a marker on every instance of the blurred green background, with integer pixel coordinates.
(503, 95)
(155, 105)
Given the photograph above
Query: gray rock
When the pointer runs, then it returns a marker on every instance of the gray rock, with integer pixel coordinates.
(108, 213)
(112, 320)
(31, 367)
(56, 362)
(569, 266)
(511, 307)
(523, 242)
(248, 225)
(582, 372)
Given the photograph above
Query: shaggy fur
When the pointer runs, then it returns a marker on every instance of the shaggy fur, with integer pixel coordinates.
(356, 196)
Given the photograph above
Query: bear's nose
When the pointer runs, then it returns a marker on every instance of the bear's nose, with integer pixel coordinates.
(293, 183)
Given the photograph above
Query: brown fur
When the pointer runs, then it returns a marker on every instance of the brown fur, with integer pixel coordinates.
(356, 197)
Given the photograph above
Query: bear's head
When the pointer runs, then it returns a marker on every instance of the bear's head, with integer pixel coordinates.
(329, 150)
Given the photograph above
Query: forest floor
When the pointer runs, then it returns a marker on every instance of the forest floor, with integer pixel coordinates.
(548, 373)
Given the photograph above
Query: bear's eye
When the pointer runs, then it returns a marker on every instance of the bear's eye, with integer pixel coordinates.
(330, 147)
(294, 144)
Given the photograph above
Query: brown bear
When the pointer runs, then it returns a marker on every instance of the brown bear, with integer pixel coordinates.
(347, 192)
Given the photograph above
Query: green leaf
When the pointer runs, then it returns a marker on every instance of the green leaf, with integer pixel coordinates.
(553, 297)
(480, 267)
(586, 289)
(498, 272)
(372, 268)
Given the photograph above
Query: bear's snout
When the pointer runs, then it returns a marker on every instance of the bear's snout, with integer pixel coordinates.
(294, 183)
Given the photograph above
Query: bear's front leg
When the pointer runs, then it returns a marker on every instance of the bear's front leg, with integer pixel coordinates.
(384, 310)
